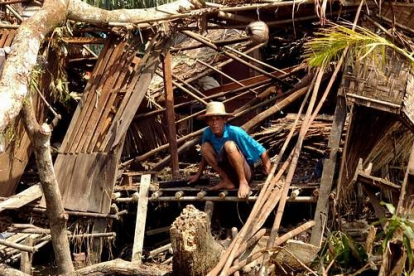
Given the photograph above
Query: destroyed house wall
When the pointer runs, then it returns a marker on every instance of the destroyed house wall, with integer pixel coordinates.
(88, 159)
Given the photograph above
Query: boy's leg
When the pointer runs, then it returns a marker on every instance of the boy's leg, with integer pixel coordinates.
(241, 167)
(210, 156)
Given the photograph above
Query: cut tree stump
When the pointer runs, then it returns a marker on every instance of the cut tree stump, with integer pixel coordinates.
(195, 252)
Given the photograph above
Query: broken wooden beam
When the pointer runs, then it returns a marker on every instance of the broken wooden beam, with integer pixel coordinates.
(16, 201)
(170, 115)
(141, 219)
(328, 172)
(159, 250)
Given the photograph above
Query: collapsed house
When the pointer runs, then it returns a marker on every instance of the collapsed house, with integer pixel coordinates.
(132, 140)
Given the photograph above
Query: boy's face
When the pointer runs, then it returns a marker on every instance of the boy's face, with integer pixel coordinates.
(216, 124)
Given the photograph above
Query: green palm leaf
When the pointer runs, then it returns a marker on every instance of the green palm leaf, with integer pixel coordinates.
(330, 42)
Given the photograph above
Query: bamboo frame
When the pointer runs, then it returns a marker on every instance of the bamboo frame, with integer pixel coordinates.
(116, 216)
(180, 197)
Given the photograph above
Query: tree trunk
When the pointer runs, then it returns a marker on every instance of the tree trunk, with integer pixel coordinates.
(81, 11)
(195, 250)
(118, 267)
(6, 270)
(40, 137)
(14, 81)
(114, 267)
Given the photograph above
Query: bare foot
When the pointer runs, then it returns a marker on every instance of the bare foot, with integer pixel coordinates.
(224, 184)
(244, 189)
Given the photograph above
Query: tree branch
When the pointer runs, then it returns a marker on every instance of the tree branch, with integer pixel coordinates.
(40, 137)
(14, 81)
(81, 11)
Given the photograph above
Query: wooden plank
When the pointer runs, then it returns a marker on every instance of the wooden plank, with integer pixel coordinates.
(64, 166)
(14, 160)
(141, 219)
(96, 182)
(105, 116)
(106, 98)
(129, 106)
(99, 226)
(22, 198)
(86, 106)
(246, 82)
(328, 173)
(101, 195)
(26, 258)
(79, 187)
(98, 101)
(169, 114)
(96, 73)
(100, 183)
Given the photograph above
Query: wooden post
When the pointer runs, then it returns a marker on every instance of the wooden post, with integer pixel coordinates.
(405, 205)
(141, 218)
(322, 207)
(99, 226)
(170, 115)
(26, 259)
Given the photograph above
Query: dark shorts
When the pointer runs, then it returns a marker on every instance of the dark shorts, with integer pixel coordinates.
(225, 165)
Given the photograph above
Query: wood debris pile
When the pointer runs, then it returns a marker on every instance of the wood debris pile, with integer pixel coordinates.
(129, 86)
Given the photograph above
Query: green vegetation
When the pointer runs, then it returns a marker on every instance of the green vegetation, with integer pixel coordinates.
(330, 42)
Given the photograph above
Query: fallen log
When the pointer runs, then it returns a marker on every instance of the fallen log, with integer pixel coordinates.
(118, 267)
(195, 251)
(6, 270)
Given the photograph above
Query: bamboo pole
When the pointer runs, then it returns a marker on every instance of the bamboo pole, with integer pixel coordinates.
(278, 242)
(285, 187)
(225, 101)
(269, 188)
(296, 151)
(159, 250)
(236, 58)
(217, 42)
(187, 91)
(18, 246)
(201, 94)
(255, 60)
(277, 107)
(223, 74)
(221, 94)
(180, 197)
(273, 232)
(85, 214)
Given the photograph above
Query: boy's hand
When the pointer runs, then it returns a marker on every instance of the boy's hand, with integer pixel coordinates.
(193, 178)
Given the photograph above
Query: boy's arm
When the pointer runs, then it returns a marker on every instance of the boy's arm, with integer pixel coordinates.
(201, 167)
(266, 162)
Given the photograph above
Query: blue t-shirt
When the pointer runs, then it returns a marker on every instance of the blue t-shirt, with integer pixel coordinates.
(250, 148)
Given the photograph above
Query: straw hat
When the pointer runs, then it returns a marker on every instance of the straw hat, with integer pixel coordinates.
(215, 109)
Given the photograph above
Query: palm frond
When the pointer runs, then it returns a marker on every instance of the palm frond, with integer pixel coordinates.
(330, 42)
